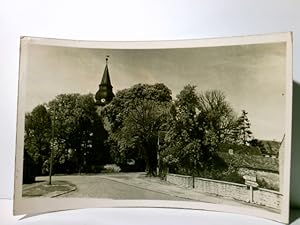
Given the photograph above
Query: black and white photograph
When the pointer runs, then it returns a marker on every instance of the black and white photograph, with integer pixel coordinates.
(186, 122)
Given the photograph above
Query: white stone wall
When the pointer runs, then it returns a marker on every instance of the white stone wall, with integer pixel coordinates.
(267, 198)
(281, 163)
(235, 191)
(222, 188)
(180, 180)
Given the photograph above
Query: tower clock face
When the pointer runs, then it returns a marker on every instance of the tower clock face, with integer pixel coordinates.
(102, 100)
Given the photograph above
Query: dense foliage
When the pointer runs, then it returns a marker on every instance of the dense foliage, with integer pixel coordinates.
(191, 139)
(135, 116)
(37, 137)
(70, 127)
(242, 130)
(143, 127)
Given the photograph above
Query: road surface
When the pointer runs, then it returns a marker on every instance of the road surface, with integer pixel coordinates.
(99, 187)
(130, 186)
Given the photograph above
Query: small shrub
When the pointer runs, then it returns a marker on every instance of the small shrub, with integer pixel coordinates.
(111, 168)
(230, 175)
(96, 169)
(262, 183)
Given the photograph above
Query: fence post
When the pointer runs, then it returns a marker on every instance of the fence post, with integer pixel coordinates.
(251, 194)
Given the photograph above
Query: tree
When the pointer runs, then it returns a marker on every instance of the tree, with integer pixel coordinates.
(79, 133)
(242, 131)
(219, 114)
(190, 144)
(29, 169)
(259, 144)
(37, 136)
(136, 115)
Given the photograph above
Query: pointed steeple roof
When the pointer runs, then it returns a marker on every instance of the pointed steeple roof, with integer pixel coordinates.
(104, 94)
(105, 78)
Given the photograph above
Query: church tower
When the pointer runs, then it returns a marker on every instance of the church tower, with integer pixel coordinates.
(105, 94)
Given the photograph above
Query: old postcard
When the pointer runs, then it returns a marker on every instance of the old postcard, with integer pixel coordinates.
(196, 124)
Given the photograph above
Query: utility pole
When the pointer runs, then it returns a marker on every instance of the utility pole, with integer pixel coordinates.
(52, 146)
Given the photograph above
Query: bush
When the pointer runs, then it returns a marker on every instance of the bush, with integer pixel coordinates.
(111, 168)
(95, 169)
(230, 175)
(262, 183)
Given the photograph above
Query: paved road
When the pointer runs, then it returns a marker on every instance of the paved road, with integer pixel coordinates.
(137, 186)
(99, 187)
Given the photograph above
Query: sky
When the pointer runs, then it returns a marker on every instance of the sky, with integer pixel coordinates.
(252, 77)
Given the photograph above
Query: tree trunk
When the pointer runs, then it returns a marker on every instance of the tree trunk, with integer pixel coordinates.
(151, 158)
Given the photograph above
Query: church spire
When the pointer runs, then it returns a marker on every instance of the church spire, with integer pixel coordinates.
(105, 94)
(105, 78)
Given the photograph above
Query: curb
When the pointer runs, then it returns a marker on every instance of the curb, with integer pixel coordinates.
(63, 192)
